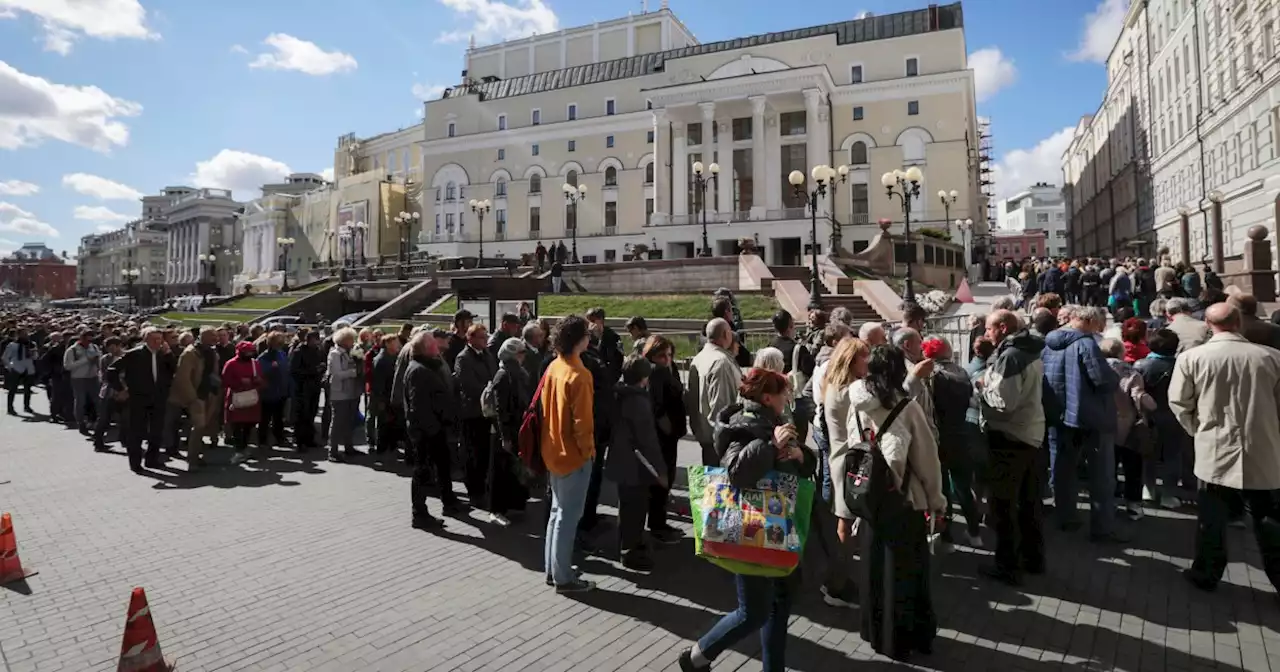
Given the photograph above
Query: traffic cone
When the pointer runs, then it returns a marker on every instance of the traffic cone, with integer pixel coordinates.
(140, 650)
(10, 564)
(963, 293)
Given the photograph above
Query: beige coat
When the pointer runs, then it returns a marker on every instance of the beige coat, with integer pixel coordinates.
(1191, 332)
(842, 434)
(1226, 394)
(908, 443)
(714, 377)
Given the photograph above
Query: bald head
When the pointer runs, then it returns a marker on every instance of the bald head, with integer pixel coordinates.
(1001, 324)
(1222, 318)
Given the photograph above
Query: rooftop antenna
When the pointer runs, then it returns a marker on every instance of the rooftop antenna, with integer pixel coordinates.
(471, 44)
(644, 6)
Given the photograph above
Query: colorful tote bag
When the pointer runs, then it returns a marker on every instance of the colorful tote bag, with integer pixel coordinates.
(757, 531)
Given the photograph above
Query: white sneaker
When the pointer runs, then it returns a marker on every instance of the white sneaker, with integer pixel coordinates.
(1170, 502)
(499, 520)
(975, 540)
(1135, 511)
(238, 458)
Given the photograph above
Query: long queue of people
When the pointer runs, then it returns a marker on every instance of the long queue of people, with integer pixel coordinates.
(1177, 410)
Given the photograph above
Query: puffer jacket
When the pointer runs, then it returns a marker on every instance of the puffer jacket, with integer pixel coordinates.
(744, 441)
(634, 432)
(1080, 379)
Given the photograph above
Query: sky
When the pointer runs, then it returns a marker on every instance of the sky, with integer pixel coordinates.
(102, 101)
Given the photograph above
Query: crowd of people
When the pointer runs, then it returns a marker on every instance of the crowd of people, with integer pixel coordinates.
(1175, 404)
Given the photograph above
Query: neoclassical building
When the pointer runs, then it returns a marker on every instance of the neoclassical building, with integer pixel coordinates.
(630, 108)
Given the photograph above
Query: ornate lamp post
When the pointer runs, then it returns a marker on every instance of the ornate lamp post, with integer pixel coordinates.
(947, 198)
(481, 208)
(328, 242)
(285, 245)
(130, 275)
(406, 220)
(700, 184)
(842, 176)
(346, 235)
(823, 175)
(572, 197)
(905, 185)
(965, 226)
(206, 269)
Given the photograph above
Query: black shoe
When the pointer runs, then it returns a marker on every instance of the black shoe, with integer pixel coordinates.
(455, 507)
(352, 451)
(1002, 575)
(666, 535)
(1199, 581)
(12, 412)
(1034, 568)
(686, 662)
(426, 521)
(137, 469)
(1070, 526)
(575, 586)
(637, 560)
(99, 447)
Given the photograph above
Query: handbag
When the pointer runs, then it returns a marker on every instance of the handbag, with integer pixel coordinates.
(754, 531)
(246, 398)
(869, 491)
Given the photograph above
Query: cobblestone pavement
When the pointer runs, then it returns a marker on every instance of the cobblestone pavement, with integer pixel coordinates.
(305, 565)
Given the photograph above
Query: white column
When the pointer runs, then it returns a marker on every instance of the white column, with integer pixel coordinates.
(759, 160)
(815, 152)
(661, 208)
(679, 171)
(708, 156)
(724, 156)
(168, 251)
(773, 163)
(202, 235)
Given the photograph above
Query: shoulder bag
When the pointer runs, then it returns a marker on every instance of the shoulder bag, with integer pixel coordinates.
(869, 491)
(246, 398)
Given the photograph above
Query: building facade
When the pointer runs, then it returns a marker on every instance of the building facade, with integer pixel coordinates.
(1016, 245)
(202, 243)
(279, 214)
(37, 272)
(631, 108)
(104, 258)
(1216, 131)
(1040, 206)
(1106, 168)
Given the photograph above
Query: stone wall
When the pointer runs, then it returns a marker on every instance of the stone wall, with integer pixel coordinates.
(668, 275)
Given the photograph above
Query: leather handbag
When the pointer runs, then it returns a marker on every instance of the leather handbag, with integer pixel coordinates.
(246, 398)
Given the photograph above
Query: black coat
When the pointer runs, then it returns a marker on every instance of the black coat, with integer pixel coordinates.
(134, 372)
(431, 409)
(456, 345)
(744, 440)
(666, 394)
(384, 373)
(306, 366)
(513, 391)
(472, 371)
(633, 432)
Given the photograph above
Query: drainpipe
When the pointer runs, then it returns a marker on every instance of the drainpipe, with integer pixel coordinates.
(1200, 84)
(671, 162)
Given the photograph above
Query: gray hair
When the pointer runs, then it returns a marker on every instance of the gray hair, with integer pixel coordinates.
(771, 359)
(1177, 306)
(1068, 312)
(901, 336)
(867, 328)
(148, 330)
(417, 342)
(529, 330)
(842, 315)
(340, 325)
(1089, 314)
(343, 334)
(1157, 306)
(510, 348)
(1002, 303)
(717, 328)
(1112, 348)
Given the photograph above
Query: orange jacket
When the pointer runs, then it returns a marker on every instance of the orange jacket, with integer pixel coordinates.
(568, 425)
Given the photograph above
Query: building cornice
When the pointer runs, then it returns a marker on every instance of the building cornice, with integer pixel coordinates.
(957, 81)
(692, 91)
(561, 130)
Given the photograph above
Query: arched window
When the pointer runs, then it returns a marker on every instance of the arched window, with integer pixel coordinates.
(858, 153)
(648, 173)
(450, 192)
(500, 189)
(535, 184)
(913, 144)
(610, 177)
(572, 178)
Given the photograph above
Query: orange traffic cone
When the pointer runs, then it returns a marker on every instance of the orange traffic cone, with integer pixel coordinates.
(10, 564)
(140, 650)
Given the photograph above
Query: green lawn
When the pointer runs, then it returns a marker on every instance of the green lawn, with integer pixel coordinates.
(211, 318)
(272, 302)
(649, 306)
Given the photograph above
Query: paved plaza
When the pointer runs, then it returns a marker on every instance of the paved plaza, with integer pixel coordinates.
(291, 564)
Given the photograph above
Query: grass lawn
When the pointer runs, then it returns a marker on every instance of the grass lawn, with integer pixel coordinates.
(211, 318)
(649, 306)
(258, 303)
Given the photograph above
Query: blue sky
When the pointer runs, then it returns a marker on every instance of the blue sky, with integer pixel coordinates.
(104, 100)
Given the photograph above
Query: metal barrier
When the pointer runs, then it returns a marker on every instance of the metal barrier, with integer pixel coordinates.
(954, 329)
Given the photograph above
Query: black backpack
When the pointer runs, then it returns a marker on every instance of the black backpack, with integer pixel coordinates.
(869, 491)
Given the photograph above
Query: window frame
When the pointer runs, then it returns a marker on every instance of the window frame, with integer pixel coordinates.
(859, 113)
(502, 122)
(913, 104)
(535, 116)
(608, 103)
(862, 73)
(906, 65)
(451, 129)
(571, 112)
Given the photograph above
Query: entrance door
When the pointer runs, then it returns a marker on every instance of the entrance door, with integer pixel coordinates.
(786, 251)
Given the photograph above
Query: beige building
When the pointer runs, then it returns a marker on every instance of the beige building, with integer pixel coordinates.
(102, 259)
(286, 212)
(627, 108)
(371, 178)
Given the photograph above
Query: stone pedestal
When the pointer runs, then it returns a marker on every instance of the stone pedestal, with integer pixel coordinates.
(1259, 278)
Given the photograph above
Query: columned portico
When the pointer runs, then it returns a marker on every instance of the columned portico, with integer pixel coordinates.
(679, 172)
(759, 158)
(708, 157)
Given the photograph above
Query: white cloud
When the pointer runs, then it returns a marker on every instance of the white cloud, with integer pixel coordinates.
(100, 187)
(991, 72)
(426, 92)
(291, 53)
(65, 21)
(1021, 168)
(327, 174)
(1101, 30)
(33, 109)
(105, 228)
(238, 49)
(18, 188)
(241, 172)
(16, 220)
(98, 213)
(495, 21)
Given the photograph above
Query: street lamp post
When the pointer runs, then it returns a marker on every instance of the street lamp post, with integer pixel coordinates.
(965, 226)
(481, 208)
(406, 220)
(700, 184)
(947, 198)
(836, 234)
(823, 175)
(572, 197)
(285, 245)
(206, 266)
(130, 275)
(346, 234)
(907, 185)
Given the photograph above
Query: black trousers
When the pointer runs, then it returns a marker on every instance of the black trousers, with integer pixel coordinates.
(1015, 504)
(475, 444)
(326, 416)
(272, 421)
(433, 454)
(306, 403)
(658, 495)
(1217, 504)
(390, 427)
(589, 517)
(146, 423)
(17, 383)
(633, 505)
(106, 408)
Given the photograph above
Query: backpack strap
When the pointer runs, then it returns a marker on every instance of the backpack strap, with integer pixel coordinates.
(537, 395)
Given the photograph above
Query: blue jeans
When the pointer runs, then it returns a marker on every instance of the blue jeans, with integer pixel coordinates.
(1066, 446)
(568, 495)
(764, 604)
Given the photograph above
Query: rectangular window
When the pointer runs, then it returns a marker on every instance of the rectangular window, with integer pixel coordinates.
(794, 157)
(742, 128)
(1042, 218)
(500, 221)
(573, 112)
(648, 137)
(913, 107)
(534, 149)
(502, 154)
(573, 145)
(1268, 41)
(792, 124)
(610, 107)
(502, 122)
(913, 67)
(743, 180)
(535, 219)
(648, 210)
(452, 129)
(500, 188)
(857, 113)
(610, 256)
(855, 74)
(693, 134)
(608, 141)
(448, 222)
(536, 117)
(570, 218)
(861, 203)
(610, 214)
